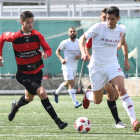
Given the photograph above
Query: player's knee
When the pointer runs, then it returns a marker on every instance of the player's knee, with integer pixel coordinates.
(42, 93)
(116, 97)
(111, 96)
(71, 83)
(122, 90)
(29, 99)
(97, 101)
(110, 91)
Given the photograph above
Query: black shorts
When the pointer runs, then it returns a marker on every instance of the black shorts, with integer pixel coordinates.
(30, 81)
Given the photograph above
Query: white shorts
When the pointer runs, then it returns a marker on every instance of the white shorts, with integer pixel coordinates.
(69, 74)
(99, 79)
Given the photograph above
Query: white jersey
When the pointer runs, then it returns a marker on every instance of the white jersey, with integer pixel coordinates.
(104, 45)
(71, 50)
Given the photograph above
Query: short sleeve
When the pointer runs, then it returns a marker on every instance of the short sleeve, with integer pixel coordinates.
(62, 45)
(123, 28)
(92, 32)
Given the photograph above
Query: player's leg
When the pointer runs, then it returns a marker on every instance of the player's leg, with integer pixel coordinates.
(110, 90)
(63, 86)
(72, 93)
(97, 81)
(25, 80)
(92, 96)
(49, 108)
(24, 100)
(127, 102)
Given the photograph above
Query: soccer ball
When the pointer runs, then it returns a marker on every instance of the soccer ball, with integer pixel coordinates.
(82, 125)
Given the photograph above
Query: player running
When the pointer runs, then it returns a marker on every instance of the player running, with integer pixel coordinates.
(69, 65)
(26, 45)
(109, 88)
(104, 66)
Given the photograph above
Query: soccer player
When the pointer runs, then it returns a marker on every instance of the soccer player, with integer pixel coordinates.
(26, 45)
(71, 51)
(109, 88)
(104, 66)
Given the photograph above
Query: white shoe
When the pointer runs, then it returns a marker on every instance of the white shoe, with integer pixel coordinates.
(77, 105)
(120, 125)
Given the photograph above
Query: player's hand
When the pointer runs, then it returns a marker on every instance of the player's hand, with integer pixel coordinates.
(78, 56)
(44, 55)
(63, 61)
(84, 57)
(1, 61)
(126, 65)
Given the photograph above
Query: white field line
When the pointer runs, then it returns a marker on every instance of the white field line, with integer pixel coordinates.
(68, 125)
(86, 135)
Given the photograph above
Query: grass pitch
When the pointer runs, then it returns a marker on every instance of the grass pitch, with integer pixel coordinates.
(33, 123)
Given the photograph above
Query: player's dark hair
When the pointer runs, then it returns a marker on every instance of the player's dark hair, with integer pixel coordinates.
(104, 10)
(113, 10)
(26, 14)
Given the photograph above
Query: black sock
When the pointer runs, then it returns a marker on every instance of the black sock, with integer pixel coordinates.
(113, 108)
(49, 108)
(22, 101)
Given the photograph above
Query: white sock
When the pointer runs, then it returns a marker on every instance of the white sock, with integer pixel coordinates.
(128, 106)
(72, 94)
(60, 88)
(89, 96)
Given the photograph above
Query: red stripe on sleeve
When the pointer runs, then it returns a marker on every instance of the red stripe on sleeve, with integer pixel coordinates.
(89, 43)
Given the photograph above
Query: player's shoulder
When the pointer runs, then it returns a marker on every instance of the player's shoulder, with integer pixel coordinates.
(13, 34)
(121, 26)
(99, 25)
(65, 41)
(36, 32)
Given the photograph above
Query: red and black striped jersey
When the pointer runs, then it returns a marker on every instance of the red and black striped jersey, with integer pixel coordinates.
(26, 48)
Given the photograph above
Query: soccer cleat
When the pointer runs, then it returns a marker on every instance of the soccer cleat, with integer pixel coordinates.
(86, 102)
(60, 124)
(77, 105)
(55, 97)
(120, 125)
(136, 126)
(13, 111)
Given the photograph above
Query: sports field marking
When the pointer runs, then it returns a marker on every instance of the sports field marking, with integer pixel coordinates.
(36, 113)
(86, 135)
(68, 125)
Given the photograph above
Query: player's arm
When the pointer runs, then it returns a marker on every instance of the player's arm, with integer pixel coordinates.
(125, 52)
(78, 56)
(91, 33)
(88, 53)
(58, 54)
(47, 49)
(82, 41)
(9, 37)
(121, 43)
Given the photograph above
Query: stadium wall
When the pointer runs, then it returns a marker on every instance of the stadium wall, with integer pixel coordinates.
(6, 85)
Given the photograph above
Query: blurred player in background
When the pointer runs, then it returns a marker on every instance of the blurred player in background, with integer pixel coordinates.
(104, 66)
(26, 45)
(69, 63)
(109, 88)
